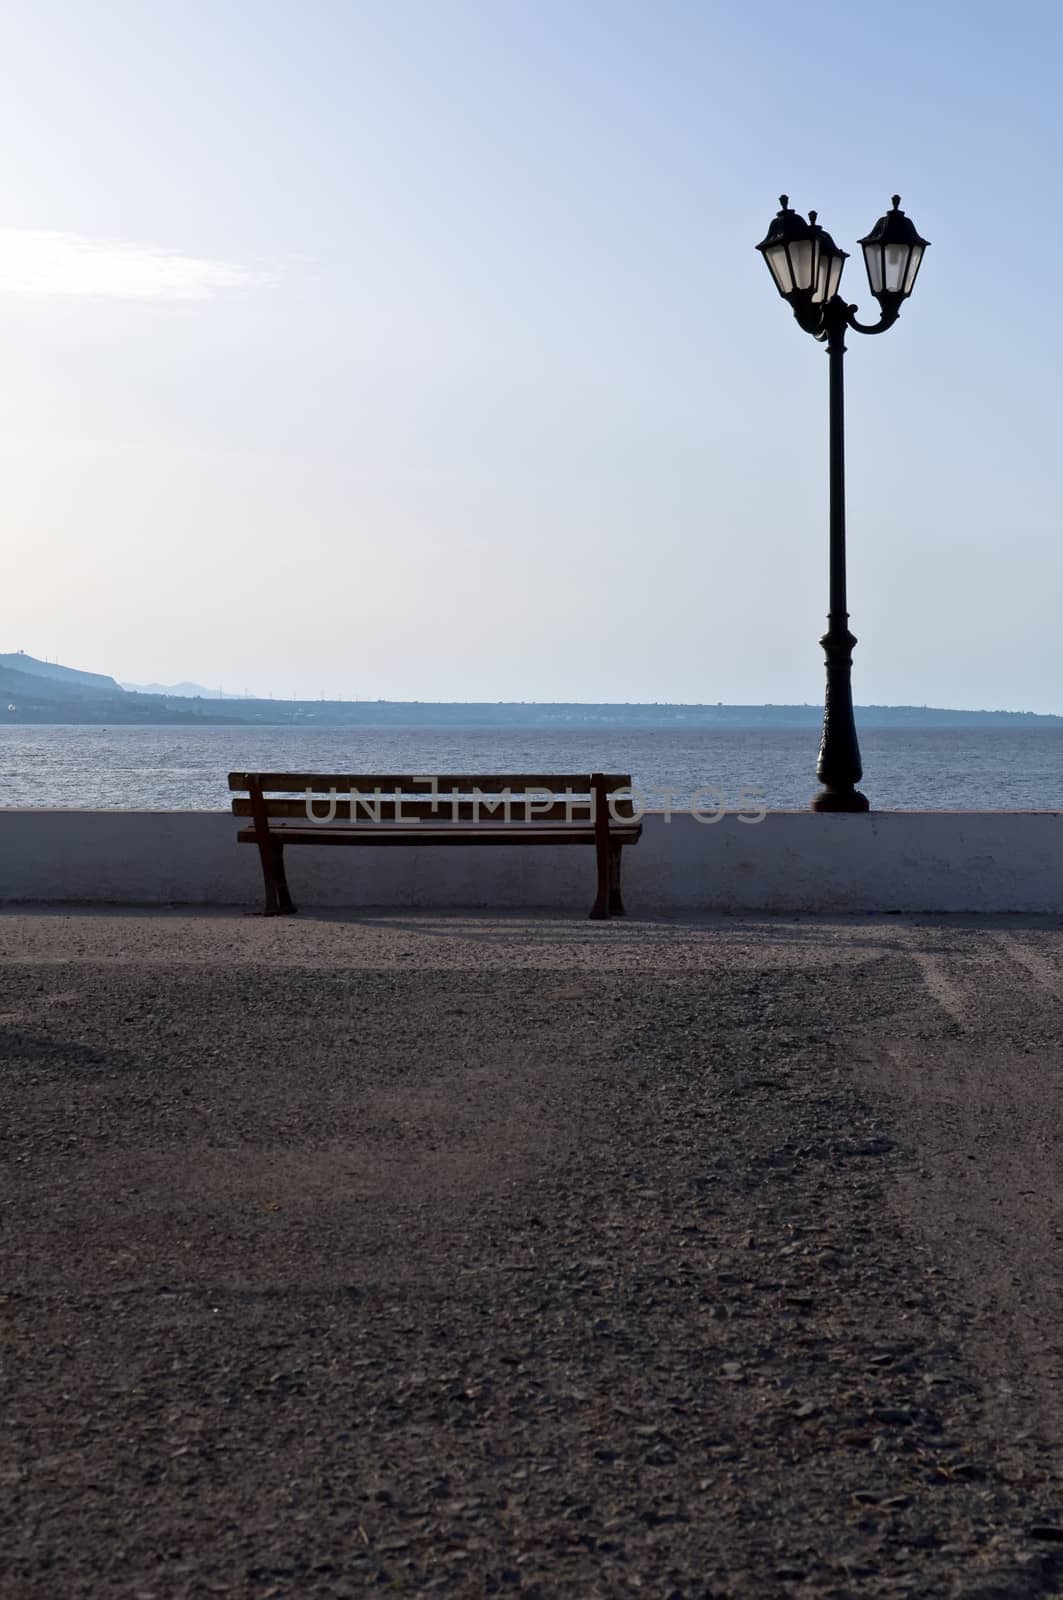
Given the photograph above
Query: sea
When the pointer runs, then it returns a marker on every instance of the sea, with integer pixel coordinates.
(186, 768)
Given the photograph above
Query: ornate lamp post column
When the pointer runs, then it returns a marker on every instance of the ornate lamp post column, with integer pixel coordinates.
(806, 268)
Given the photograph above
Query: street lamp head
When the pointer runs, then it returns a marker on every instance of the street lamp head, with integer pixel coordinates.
(830, 260)
(791, 250)
(893, 251)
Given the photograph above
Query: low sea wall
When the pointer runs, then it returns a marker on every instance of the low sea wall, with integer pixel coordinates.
(791, 861)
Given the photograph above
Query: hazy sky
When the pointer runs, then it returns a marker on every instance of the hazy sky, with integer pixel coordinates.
(419, 348)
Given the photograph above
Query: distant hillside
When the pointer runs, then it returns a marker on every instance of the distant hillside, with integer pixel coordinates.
(27, 686)
(19, 661)
(24, 698)
(40, 691)
(27, 697)
(181, 691)
(577, 714)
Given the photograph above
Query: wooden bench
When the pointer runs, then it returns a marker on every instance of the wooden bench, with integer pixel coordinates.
(289, 808)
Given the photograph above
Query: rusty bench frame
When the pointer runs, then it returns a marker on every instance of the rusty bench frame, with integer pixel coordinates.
(399, 811)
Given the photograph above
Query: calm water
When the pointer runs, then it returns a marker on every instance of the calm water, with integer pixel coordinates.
(179, 768)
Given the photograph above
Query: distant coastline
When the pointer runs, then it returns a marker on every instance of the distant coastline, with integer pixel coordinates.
(39, 692)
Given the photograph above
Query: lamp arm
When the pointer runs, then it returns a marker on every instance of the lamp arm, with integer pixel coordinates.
(890, 313)
(836, 315)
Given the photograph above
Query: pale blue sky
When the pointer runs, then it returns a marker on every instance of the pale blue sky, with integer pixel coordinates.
(419, 349)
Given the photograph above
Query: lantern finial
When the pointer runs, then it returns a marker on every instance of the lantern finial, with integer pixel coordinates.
(812, 215)
(784, 201)
(896, 202)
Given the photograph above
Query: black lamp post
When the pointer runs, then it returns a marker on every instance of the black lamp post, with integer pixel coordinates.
(806, 267)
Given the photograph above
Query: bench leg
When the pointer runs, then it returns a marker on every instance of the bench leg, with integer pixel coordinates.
(600, 909)
(285, 907)
(278, 900)
(616, 904)
(269, 877)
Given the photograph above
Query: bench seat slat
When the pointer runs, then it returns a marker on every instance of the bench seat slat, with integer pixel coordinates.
(418, 786)
(385, 834)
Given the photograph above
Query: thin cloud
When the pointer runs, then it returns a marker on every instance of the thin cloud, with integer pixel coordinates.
(35, 262)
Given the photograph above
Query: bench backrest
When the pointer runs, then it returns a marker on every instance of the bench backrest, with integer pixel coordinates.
(359, 797)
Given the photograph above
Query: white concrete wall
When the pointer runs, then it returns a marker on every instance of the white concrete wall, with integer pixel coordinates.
(792, 861)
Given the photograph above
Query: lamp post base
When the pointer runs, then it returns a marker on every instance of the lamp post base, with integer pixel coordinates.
(838, 768)
(840, 800)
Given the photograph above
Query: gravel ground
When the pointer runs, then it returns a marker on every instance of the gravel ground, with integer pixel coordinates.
(517, 1256)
